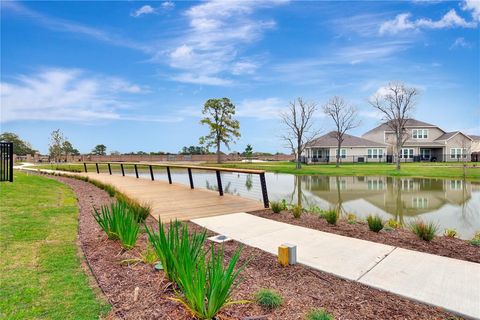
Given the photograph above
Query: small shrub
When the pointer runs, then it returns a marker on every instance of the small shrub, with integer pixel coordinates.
(284, 204)
(476, 239)
(315, 209)
(297, 211)
(394, 224)
(118, 222)
(318, 314)
(425, 231)
(276, 206)
(331, 216)
(450, 233)
(268, 299)
(375, 223)
(351, 218)
(141, 211)
(149, 256)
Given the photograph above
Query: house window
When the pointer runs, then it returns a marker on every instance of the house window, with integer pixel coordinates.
(406, 153)
(375, 185)
(420, 133)
(375, 153)
(457, 153)
(456, 184)
(420, 202)
(343, 153)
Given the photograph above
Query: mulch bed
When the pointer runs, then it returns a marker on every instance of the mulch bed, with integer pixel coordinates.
(302, 288)
(442, 246)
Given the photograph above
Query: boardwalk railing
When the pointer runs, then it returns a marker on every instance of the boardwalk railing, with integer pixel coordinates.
(189, 169)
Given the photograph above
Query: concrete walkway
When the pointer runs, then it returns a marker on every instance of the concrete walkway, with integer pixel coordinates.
(448, 283)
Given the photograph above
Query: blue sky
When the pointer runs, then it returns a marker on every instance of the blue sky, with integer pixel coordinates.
(134, 75)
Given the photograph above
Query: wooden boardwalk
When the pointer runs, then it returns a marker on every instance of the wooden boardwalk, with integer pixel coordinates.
(176, 201)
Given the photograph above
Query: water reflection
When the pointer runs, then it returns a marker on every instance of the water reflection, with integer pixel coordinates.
(450, 203)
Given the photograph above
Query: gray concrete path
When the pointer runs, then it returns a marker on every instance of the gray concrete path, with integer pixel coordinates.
(444, 282)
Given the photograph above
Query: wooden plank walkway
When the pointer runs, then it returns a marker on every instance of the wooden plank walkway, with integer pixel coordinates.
(175, 201)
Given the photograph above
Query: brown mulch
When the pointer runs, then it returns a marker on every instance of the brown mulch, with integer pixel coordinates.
(442, 246)
(302, 288)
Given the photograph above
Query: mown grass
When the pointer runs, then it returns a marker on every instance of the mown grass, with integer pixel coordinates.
(427, 170)
(40, 272)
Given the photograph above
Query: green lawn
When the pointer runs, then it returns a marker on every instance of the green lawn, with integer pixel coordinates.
(40, 272)
(432, 170)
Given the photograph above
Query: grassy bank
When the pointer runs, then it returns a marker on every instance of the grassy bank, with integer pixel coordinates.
(40, 271)
(429, 170)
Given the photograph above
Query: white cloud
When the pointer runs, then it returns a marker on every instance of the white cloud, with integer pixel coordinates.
(474, 7)
(202, 79)
(460, 43)
(402, 22)
(143, 10)
(63, 25)
(67, 94)
(218, 31)
(167, 5)
(263, 109)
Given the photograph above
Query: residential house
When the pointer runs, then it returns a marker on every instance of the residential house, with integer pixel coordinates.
(353, 149)
(425, 142)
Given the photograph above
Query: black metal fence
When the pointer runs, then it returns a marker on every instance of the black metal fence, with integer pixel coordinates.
(149, 168)
(6, 161)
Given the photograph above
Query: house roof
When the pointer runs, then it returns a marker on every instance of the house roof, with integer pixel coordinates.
(449, 135)
(329, 140)
(474, 137)
(409, 123)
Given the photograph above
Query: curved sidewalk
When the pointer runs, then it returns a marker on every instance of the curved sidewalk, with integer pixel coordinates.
(451, 284)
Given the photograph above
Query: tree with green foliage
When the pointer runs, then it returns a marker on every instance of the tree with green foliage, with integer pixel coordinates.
(99, 150)
(68, 149)
(20, 147)
(223, 128)
(248, 153)
(55, 148)
(194, 150)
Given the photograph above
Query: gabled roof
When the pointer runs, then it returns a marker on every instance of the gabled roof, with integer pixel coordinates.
(448, 135)
(329, 140)
(408, 124)
(475, 138)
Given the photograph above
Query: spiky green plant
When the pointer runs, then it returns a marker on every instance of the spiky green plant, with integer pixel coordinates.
(107, 219)
(276, 206)
(331, 216)
(375, 223)
(297, 211)
(268, 299)
(176, 241)
(127, 227)
(318, 314)
(394, 224)
(207, 285)
(424, 230)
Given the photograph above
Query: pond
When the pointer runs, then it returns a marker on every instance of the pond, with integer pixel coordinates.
(448, 202)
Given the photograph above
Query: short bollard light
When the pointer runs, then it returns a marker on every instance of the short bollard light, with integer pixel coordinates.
(287, 254)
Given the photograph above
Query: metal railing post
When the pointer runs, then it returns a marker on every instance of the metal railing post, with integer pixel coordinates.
(10, 154)
(136, 170)
(85, 167)
(219, 183)
(190, 177)
(263, 183)
(109, 168)
(123, 170)
(96, 166)
(151, 173)
(169, 175)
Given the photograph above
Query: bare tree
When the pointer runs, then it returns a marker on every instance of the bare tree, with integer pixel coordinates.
(298, 120)
(396, 102)
(345, 118)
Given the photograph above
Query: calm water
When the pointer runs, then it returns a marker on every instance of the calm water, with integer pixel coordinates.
(449, 203)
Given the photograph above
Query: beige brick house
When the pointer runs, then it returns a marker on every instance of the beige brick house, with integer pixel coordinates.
(425, 142)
